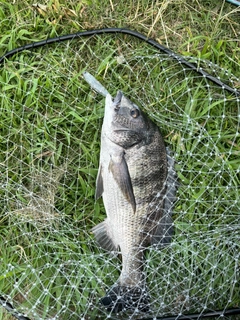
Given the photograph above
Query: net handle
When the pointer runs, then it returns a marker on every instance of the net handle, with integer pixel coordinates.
(8, 306)
(212, 314)
(193, 316)
(133, 33)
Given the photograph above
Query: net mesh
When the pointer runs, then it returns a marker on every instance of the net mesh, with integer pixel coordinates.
(51, 266)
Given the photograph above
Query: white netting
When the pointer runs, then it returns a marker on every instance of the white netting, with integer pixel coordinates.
(51, 266)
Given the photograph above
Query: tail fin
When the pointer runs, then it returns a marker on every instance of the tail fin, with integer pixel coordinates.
(120, 298)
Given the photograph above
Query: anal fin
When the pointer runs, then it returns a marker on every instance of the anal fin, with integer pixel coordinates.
(102, 234)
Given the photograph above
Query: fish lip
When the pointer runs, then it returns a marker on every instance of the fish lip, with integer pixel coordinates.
(117, 100)
(118, 127)
(116, 107)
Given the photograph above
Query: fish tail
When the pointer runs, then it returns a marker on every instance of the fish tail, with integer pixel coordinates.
(121, 298)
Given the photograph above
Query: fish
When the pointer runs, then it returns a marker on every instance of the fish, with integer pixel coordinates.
(137, 181)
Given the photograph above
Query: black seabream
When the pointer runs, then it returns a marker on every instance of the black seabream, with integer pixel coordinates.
(136, 179)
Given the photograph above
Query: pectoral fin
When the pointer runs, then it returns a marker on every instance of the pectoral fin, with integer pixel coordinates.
(119, 169)
(99, 184)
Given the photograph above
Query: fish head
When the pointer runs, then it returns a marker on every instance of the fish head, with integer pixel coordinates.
(124, 122)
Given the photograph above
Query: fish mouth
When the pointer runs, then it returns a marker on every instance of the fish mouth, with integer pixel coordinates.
(121, 123)
(117, 101)
(120, 128)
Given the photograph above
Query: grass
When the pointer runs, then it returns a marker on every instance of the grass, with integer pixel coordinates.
(50, 124)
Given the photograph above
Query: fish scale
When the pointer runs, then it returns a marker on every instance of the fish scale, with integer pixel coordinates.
(135, 177)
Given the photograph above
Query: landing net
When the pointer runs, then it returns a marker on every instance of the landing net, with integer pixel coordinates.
(50, 265)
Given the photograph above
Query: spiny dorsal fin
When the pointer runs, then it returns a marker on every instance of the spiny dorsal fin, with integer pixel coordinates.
(165, 228)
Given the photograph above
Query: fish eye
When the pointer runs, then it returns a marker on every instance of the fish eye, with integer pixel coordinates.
(134, 113)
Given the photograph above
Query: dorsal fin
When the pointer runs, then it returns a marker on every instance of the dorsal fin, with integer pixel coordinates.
(165, 228)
